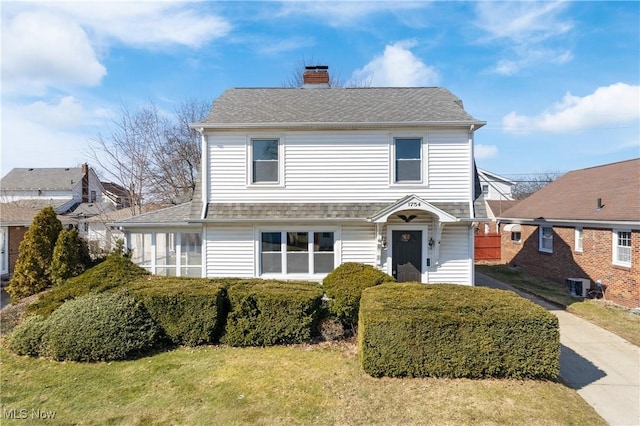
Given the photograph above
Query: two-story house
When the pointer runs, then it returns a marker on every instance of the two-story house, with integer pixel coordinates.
(295, 181)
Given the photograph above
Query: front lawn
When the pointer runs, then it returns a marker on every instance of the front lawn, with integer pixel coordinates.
(608, 316)
(302, 384)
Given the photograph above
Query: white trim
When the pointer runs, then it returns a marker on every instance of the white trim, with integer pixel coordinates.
(423, 160)
(615, 247)
(4, 250)
(283, 229)
(425, 248)
(154, 266)
(249, 163)
(513, 227)
(540, 238)
(578, 243)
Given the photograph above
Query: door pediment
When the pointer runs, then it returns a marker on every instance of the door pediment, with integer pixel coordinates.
(411, 202)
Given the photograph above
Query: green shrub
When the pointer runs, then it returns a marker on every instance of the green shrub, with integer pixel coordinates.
(26, 338)
(264, 313)
(115, 272)
(447, 330)
(31, 274)
(344, 286)
(100, 327)
(191, 311)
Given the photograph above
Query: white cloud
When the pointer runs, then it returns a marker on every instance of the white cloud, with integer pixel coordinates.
(485, 151)
(66, 112)
(610, 105)
(346, 13)
(525, 27)
(397, 66)
(40, 49)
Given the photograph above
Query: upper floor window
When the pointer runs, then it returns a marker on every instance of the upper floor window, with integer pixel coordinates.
(546, 239)
(485, 189)
(408, 160)
(264, 161)
(578, 239)
(93, 197)
(622, 248)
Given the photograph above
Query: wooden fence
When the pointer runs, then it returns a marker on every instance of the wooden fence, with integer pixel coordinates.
(487, 247)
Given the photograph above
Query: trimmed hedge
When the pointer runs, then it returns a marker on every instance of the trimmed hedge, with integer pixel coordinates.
(100, 327)
(191, 311)
(447, 330)
(344, 286)
(264, 313)
(116, 271)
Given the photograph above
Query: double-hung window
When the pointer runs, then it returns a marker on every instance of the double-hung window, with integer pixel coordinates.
(622, 248)
(408, 160)
(297, 252)
(264, 161)
(546, 239)
(579, 237)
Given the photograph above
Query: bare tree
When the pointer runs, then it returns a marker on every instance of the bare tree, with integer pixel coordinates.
(528, 184)
(154, 156)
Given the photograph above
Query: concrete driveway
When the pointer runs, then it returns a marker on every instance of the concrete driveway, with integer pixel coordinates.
(603, 368)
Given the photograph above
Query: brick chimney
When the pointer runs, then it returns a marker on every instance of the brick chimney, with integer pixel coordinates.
(315, 76)
(85, 183)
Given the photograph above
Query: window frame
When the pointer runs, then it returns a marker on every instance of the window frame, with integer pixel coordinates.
(284, 251)
(615, 243)
(180, 267)
(394, 160)
(519, 236)
(578, 244)
(250, 160)
(541, 239)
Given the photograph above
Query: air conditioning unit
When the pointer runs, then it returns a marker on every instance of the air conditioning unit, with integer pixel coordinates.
(578, 287)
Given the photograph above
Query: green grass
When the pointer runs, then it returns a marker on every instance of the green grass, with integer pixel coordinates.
(304, 384)
(606, 315)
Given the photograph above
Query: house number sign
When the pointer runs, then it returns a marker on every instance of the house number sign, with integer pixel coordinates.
(414, 204)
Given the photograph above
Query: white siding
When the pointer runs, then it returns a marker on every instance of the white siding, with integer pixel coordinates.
(229, 251)
(455, 264)
(359, 243)
(340, 166)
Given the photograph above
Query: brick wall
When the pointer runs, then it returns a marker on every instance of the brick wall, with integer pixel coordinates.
(594, 262)
(16, 234)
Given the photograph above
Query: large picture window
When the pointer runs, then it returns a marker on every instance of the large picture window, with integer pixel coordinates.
(622, 248)
(264, 160)
(408, 160)
(168, 253)
(297, 252)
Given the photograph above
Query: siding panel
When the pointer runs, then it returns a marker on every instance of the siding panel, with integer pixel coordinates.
(230, 251)
(359, 243)
(455, 265)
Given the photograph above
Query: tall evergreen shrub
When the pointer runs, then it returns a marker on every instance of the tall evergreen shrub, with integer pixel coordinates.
(32, 271)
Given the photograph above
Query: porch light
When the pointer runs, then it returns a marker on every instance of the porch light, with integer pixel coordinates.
(431, 242)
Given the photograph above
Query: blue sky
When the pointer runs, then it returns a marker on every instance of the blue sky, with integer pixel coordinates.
(557, 82)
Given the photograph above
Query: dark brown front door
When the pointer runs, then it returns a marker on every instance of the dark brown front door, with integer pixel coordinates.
(407, 255)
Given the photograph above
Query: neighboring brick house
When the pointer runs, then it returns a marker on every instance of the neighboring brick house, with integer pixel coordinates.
(586, 224)
(296, 181)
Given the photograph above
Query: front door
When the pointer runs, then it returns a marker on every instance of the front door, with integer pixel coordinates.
(407, 255)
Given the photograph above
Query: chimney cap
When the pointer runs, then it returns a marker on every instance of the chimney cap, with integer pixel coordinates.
(316, 67)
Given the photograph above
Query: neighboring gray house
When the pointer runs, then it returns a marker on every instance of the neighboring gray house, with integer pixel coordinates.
(295, 181)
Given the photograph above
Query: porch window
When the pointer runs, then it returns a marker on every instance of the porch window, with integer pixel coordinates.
(296, 252)
(546, 239)
(168, 253)
(622, 248)
(264, 160)
(408, 160)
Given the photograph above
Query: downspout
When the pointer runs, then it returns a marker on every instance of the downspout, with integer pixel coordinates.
(204, 172)
(471, 237)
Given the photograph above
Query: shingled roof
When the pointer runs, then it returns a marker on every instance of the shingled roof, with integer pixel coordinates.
(41, 178)
(574, 196)
(337, 107)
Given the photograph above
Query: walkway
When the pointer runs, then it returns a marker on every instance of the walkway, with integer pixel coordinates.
(603, 368)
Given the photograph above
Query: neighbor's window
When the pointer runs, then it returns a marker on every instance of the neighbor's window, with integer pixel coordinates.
(93, 197)
(265, 160)
(579, 238)
(516, 237)
(546, 239)
(622, 248)
(408, 159)
(297, 252)
(485, 189)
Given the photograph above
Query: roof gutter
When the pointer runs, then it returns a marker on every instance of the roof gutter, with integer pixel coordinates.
(334, 125)
(630, 224)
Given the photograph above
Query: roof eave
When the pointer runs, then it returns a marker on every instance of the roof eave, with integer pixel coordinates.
(336, 125)
(632, 224)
